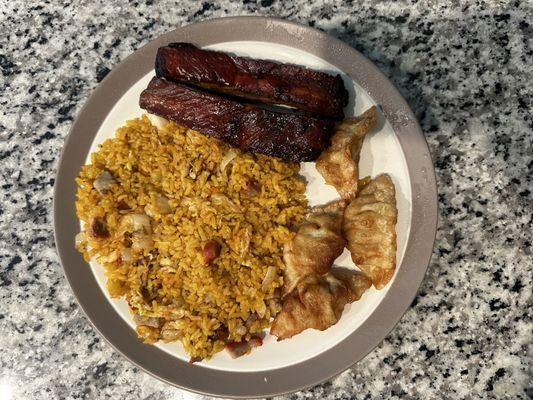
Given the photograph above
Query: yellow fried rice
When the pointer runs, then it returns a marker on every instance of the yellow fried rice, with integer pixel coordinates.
(168, 192)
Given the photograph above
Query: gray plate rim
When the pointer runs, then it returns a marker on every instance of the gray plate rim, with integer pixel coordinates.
(333, 361)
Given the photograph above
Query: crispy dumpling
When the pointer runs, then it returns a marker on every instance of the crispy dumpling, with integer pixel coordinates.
(355, 282)
(368, 227)
(335, 207)
(339, 163)
(318, 302)
(316, 245)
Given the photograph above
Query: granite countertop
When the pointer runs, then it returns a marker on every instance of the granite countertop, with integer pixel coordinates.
(466, 69)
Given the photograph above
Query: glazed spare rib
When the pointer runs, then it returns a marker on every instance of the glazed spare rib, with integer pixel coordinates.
(261, 80)
(291, 137)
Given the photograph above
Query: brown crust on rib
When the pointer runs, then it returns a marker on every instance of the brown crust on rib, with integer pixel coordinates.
(262, 80)
(250, 128)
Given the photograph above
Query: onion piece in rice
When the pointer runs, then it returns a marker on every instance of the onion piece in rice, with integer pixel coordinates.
(103, 182)
(163, 205)
(222, 200)
(270, 275)
(228, 157)
(139, 223)
(160, 206)
(142, 242)
(80, 240)
(111, 257)
(261, 309)
(241, 330)
(148, 321)
(126, 255)
(170, 335)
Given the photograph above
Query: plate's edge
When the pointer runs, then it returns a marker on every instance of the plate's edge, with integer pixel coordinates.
(389, 311)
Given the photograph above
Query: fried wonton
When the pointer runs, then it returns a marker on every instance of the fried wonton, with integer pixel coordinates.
(316, 245)
(355, 282)
(318, 302)
(368, 227)
(335, 207)
(339, 163)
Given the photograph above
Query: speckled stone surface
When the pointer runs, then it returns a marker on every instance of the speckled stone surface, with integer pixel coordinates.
(466, 69)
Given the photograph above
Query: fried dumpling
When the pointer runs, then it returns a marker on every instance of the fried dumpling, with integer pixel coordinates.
(368, 227)
(318, 302)
(355, 282)
(335, 207)
(316, 245)
(339, 163)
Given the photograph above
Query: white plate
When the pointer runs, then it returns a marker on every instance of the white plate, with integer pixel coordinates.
(381, 153)
(397, 147)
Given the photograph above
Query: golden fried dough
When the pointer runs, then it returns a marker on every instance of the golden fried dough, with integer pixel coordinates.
(318, 302)
(339, 163)
(368, 227)
(316, 245)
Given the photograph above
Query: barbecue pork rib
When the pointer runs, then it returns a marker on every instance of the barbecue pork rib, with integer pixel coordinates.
(260, 80)
(291, 137)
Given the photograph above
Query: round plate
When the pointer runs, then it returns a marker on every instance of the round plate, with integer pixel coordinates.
(397, 146)
(381, 153)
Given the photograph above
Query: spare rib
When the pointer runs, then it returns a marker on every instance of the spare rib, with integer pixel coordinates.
(261, 80)
(291, 137)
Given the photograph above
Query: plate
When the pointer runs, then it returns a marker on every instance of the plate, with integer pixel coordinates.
(397, 146)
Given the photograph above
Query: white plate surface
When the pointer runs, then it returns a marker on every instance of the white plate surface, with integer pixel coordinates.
(381, 153)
